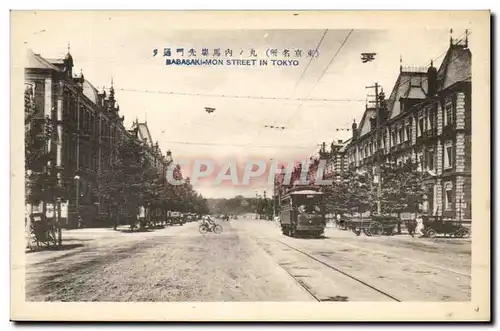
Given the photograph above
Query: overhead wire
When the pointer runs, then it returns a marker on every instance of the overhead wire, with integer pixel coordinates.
(238, 145)
(278, 98)
(308, 64)
(322, 74)
(239, 96)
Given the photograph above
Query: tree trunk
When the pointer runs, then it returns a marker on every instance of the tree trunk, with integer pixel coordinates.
(142, 224)
(399, 223)
(58, 222)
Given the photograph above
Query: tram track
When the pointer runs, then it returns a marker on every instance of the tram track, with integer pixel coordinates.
(413, 261)
(351, 273)
(301, 283)
(331, 267)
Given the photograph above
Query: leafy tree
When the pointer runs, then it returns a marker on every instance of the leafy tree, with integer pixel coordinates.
(130, 182)
(39, 181)
(351, 194)
(42, 184)
(401, 188)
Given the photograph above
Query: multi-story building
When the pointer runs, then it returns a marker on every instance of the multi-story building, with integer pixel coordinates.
(156, 159)
(336, 162)
(426, 119)
(88, 126)
(153, 150)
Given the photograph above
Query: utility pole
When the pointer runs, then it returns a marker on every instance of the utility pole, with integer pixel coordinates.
(274, 199)
(265, 204)
(77, 176)
(59, 142)
(377, 126)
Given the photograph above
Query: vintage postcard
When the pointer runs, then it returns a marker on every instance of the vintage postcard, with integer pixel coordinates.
(250, 166)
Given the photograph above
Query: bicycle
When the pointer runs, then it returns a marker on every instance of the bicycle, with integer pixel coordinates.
(211, 227)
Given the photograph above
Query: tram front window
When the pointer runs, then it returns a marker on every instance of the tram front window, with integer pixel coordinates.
(307, 206)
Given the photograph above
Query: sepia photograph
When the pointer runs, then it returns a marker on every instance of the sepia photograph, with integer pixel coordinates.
(252, 163)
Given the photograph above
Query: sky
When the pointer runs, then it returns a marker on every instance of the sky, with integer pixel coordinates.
(106, 47)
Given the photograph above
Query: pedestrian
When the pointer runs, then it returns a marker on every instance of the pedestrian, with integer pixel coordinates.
(419, 229)
(80, 222)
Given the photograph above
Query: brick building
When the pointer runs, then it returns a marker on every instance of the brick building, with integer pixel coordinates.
(426, 118)
(88, 125)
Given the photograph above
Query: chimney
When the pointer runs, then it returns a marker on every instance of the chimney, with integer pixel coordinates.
(431, 80)
(354, 127)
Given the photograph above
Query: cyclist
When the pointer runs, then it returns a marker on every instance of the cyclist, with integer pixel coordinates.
(208, 221)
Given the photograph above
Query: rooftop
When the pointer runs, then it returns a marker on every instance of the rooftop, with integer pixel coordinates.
(36, 61)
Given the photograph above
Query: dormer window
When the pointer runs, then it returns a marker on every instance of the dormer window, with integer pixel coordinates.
(372, 123)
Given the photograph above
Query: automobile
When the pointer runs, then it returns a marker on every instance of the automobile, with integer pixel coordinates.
(176, 218)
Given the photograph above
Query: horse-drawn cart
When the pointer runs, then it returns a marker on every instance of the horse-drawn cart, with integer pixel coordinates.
(42, 232)
(375, 225)
(434, 225)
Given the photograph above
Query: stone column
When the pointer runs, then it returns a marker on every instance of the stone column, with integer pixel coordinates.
(438, 197)
(439, 158)
(99, 168)
(438, 202)
(439, 119)
(413, 130)
(460, 111)
(59, 141)
(47, 110)
(460, 152)
(460, 140)
(459, 198)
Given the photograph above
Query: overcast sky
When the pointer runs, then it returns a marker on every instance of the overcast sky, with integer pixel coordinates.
(106, 46)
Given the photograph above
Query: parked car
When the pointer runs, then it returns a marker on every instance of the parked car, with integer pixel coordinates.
(176, 218)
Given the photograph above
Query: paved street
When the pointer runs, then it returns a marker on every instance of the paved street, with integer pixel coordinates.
(250, 261)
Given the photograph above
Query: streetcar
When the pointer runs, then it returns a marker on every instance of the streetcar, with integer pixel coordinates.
(303, 212)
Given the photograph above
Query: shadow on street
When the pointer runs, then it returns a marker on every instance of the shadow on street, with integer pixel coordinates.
(63, 247)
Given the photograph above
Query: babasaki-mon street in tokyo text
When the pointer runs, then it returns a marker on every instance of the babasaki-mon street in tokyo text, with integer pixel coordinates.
(232, 62)
(274, 57)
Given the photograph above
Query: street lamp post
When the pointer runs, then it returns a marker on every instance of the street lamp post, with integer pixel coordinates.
(377, 180)
(77, 196)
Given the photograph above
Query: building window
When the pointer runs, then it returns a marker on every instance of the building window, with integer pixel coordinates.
(448, 196)
(430, 120)
(420, 126)
(401, 137)
(407, 133)
(448, 119)
(394, 138)
(448, 155)
(430, 160)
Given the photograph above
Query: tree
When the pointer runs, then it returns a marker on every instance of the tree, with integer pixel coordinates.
(401, 188)
(42, 178)
(111, 191)
(351, 194)
(39, 181)
(130, 182)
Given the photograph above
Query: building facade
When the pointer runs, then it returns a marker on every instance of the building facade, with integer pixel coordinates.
(426, 119)
(88, 126)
